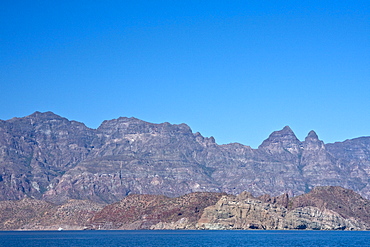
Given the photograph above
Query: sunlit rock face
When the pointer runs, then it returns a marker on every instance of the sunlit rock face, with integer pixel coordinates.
(283, 144)
(317, 210)
(48, 157)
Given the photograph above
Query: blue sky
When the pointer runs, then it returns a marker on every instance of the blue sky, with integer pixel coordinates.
(235, 70)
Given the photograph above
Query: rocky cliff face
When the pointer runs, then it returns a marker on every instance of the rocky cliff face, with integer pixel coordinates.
(47, 157)
(313, 211)
(35, 152)
(344, 202)
(317, 210)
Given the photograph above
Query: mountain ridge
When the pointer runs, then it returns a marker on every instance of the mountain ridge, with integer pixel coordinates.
(48, 157)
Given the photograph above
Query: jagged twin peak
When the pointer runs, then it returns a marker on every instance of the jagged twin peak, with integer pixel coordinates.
(286, 140)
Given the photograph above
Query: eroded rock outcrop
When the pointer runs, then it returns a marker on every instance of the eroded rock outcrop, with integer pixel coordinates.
(313, 211)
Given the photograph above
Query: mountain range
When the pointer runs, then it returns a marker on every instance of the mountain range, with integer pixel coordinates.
(50, 158)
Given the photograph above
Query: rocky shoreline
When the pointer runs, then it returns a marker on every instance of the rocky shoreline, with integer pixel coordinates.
(324, 208)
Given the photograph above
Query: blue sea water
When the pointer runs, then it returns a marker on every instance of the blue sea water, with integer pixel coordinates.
(174, 238)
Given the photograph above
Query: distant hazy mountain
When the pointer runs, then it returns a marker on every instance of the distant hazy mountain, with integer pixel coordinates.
(45, 156)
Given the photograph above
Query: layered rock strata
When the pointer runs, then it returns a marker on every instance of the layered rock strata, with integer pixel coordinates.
(48, 157)
(312, 211)
(324, 208)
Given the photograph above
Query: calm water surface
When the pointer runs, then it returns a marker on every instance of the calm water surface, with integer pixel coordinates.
(184, 238)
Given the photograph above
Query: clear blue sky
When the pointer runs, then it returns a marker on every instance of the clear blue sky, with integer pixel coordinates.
(235, 70)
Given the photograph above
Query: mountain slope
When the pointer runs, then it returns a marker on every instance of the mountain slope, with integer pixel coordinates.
(48, 157)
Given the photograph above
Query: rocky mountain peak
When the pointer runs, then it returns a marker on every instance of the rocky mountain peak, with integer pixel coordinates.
(312, 136)
(45, 116)
(312, 142)
(284, 135)
(133, 125)
(287, 130)
(119, 121)
(281, 140)
(34, 118)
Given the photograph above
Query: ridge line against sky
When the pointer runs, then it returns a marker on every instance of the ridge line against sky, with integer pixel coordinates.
(300, 139)
(233, 70)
